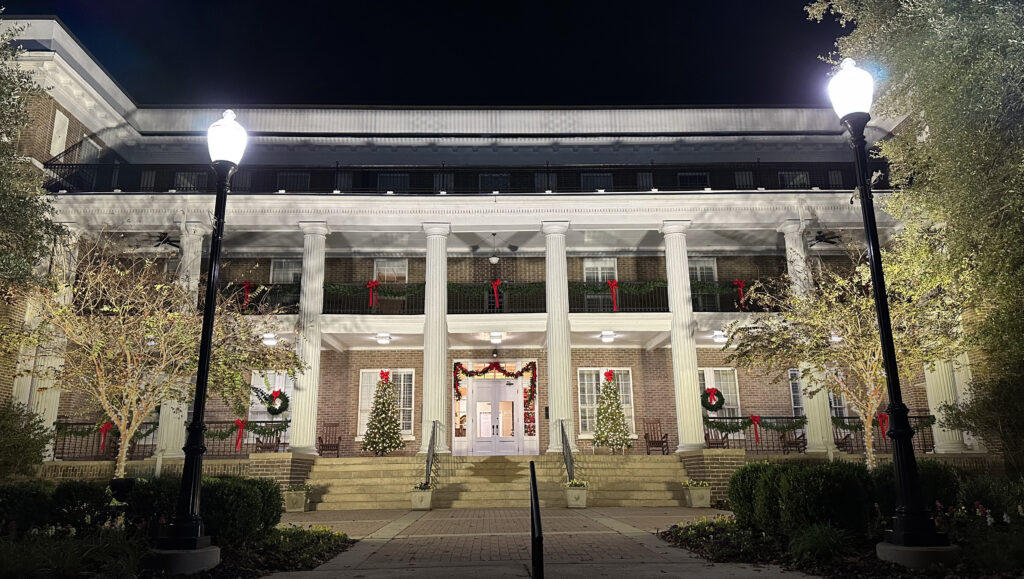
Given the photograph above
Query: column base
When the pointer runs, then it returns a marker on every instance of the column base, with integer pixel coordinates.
(306, 450)
(689, 447)
(950, 448)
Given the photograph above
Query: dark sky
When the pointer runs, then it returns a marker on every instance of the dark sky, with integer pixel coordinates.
(489, 52)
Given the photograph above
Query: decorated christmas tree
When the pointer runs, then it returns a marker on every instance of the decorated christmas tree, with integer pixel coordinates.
(612, 430)
(383, 431)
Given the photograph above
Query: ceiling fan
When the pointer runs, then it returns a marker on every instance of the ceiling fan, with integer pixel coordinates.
(828, 237)
(494, 258)
(166, 239)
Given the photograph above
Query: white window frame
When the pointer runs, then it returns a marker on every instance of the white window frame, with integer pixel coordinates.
(630, 413)
(377, 262)
(708, 302)
(702, 376)
(796, 393)
(361, 421)
(590, 263)
(276, 264)
(836, 404)
(58, 141)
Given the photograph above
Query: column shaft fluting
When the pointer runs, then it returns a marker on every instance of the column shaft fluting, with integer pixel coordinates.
(311, 298)
(558, 338)
(436, 375)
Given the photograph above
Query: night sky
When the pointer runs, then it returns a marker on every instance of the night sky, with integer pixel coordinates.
(488, 53)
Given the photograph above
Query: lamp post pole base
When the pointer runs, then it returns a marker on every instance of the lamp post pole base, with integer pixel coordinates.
(183, 561)
(918, 557)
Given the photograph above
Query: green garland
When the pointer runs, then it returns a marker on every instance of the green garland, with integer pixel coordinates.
(728, 426)
(858, 425)
(261, 430)
(785, 424)
(775, 425)
(382, 291)
(64, 430)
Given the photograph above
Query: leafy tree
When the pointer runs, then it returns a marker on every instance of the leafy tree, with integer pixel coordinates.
(383, 429)
(612, 430)
(26, 230)
(125, 335)
(953, 70)
(831, 330)
(26, 439)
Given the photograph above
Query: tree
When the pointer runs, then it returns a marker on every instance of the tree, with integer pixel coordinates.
(953, 70)
(125, 335)
(26, 230)
(612, 430)
(383, 429)
(26, 439)
(830, 332)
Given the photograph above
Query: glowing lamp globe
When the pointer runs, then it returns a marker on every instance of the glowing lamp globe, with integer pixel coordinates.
(851, 89)
(226, 139)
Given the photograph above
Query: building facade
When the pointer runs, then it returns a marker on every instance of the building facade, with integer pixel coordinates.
(496, 261)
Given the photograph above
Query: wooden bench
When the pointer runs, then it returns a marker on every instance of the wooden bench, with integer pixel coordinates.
(329, 441)
(791, 442)
(268, 444)
(654, 437)
(716, 439)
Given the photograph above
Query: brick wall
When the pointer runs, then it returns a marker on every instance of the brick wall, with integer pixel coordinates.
(714, 466)
(750, 267)
(12, 314)
(34, 140)
(758, 395)
(510, 269)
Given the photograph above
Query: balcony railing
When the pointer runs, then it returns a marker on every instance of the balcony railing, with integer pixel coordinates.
(282, 298)
(222, 439)
(390, 298)
(507, 298)
(774, 434)
(848, 432)
(630, 296)
(77, 440)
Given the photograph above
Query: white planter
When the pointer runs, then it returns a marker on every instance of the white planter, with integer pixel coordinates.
(697, 497)
(576, 497)
(295, 501)
(421, 499)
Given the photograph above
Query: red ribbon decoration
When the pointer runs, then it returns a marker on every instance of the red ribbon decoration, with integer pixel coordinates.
(275, 395)
(609, 376)
(494, 288)
(740, 284)
(494, 366)
(240, 423)
(712, 393)
(372, 285)
(385, 376)
(756, 419)
(104, 429)
(247, 287)
(883, 422)
(613, 285)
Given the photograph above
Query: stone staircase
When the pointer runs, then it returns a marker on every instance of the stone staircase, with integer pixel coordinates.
(496, 481)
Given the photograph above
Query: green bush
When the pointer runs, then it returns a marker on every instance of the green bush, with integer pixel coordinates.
(105, 553)
(271, 501)
(836, 492)
(939, 482)
(26, 439)
(819, 544)
(724, 539)
(81, 504)
(742, 491)
(234, 511)
(25, 505)
(152, 503)
(292, 549)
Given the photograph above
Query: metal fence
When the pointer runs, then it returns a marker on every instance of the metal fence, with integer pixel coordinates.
(85, 441)
(774, 435)
(222, 439)
(356, 298)
(848, 432)
(509, 298)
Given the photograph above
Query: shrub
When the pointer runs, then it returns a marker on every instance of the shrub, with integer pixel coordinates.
(743, 491)
(723, 539)
(294, 548)
(25, 505)
(837, 492)
(819, 544)
(81, 504)
(106, 553)
(939, 482)
(237, 510)
(26, 439)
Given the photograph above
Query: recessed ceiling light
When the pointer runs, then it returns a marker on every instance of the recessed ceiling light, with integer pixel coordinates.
(496, 337)
(269, 339)
(384, 339)
(607, 336)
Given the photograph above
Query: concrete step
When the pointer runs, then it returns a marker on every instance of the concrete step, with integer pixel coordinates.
(364, 505)
(397, 495)
(384, 466)
(367, 474)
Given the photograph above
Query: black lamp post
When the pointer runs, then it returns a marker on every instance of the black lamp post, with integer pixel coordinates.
(226, 139)
(851, 92)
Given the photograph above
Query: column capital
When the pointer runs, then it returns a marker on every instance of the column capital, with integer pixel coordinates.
(791, 226)
(674, 227)
(435, 229)
(554, 227)
(314, 227)
(195, 228)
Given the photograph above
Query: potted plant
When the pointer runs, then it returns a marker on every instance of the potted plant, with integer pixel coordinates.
(296, 497)
(421, 495)
(576, 494)
(697, 493)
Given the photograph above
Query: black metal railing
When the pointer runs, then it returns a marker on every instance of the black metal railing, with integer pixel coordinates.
(281, 298)
(848, 433)
(390, 298)
(511, 298)
(85, 441)
(630, 296)
(567, 459)
(536, 534)
(222, 439)
(774, 434)
(430, 454)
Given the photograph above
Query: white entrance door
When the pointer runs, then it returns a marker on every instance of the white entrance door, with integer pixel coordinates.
(495, 417)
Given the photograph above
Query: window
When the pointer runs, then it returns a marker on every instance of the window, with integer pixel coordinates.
(190, 180)
(599, 270)
(59, 139)
(794, 180)
(724, 380)
(704, 270)
(744, 179)
(644, 181)
(494, 182)
(444, 182)
(835, 179)
(693, 181)
(147, 180)
(837, 405)
(285, 270)
(795, 392)
(595, 181)
(403, 381)
(545, 181)
(391, 270)
(276, 381)
(293, 181)
(590, 382)
(395, 182)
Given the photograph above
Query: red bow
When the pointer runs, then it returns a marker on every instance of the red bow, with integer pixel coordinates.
(712, 394)
(274, 395)
(372, 286)
(247, 287)
(883, 422)
(756, 419)
(385, 376)
(609, 376)
(740, 284)
(613, 285)
(493, 366)
(240, 423)
(494, 288)
(104, 429)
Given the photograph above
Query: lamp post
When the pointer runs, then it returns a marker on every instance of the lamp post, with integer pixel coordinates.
(226, 139)
(851, 91)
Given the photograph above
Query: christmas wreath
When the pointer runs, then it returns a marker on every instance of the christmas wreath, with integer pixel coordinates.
(712, 400)
(276, 401)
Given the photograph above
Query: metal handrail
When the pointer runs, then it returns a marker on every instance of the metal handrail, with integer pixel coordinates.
(536, 535)
(430, 452)
(570, 467)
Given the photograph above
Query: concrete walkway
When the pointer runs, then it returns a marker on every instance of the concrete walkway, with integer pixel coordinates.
(495, 543)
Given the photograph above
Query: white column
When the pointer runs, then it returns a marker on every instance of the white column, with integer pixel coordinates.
(689, 418)
(435, 338)
(816, 408)
(556, 286)
(311, 300)
(940, 387)
(170, 434)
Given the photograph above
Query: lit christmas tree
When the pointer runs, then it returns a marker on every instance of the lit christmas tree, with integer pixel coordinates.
(612, 431)
(383, 431)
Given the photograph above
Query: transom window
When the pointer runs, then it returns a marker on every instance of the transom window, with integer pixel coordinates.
(590, 382)
(795, 392)
(391, 270)
(285, 270)
(403, 381)
(724, 380)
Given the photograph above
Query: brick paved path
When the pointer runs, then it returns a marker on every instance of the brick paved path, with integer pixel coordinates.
(495, 543)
